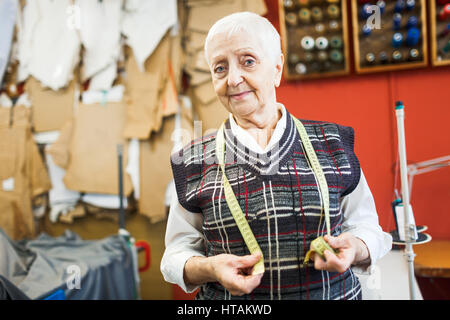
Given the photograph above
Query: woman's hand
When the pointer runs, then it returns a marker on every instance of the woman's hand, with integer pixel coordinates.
(231, 271)
(234, 272)
(351, 251)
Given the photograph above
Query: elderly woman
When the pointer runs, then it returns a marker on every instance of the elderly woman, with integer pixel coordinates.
(250, 199)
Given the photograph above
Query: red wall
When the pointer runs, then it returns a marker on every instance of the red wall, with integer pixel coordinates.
(366, 102)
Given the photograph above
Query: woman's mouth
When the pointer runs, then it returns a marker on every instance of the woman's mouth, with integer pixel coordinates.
(240, 96)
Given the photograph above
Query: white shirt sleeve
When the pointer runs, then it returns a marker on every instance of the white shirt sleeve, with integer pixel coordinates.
(361, 220)
(184, 239)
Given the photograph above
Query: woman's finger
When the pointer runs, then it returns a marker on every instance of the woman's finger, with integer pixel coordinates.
(319, 263)
(246, 284)
(336, 242)
(248, 260)
(334, 263)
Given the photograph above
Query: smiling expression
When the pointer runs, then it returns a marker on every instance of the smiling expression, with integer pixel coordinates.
(244, 77)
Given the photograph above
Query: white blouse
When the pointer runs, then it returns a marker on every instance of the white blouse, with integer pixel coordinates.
(184, 238)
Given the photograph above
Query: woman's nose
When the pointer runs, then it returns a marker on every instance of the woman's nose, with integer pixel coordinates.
(234, 76)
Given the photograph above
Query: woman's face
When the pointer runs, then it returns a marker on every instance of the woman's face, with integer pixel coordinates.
(244, 76)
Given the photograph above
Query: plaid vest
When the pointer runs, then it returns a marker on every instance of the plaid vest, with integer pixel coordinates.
(279, 196)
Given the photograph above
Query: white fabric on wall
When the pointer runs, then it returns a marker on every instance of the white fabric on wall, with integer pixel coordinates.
(133, 165)
(100, 35)
(61, 199)
(144, 24)
(104, 79)
(8, 14)
(49, 44)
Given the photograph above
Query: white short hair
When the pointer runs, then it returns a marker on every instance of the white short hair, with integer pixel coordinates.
(252, 24)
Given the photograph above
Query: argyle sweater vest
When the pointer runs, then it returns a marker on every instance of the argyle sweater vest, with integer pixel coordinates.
(279, 195)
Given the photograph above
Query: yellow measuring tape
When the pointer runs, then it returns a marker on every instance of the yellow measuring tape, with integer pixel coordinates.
(318, 245)
(234, 206)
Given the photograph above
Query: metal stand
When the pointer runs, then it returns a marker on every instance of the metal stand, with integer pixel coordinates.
(121, 209)
(409, 228)
(426, 166)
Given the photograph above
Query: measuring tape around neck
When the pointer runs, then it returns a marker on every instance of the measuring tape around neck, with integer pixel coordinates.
(234, 206)
(236, 210)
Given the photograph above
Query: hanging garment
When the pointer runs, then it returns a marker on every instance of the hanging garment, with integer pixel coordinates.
(83, 269)
(145, 23)
(8, 291)
(104, 79)
(8, 13)
(62, 200)
(49, 44)
(100, 35)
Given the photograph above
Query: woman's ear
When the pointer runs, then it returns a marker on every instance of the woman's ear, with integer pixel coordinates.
(279, 70)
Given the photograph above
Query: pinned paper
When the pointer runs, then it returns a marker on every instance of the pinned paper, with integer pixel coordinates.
(8, 184)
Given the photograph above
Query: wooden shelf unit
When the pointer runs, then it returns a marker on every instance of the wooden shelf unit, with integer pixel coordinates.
(308, 29)
(387, 33)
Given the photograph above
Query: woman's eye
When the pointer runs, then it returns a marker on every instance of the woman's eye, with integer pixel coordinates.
(219, 69)
(249, 62)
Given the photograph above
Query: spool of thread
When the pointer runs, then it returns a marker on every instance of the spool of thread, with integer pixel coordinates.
(370, 58)
(383, 57)
(382, 5)
(444, 14)
(300, 68)
(446, 49)
(397, 21)
(291, 19)
(319, 27)
(289, 4)
(309, 57)
(307, 43)
(397, 40)
(294, 58)
(410, 5)
(366, 30)
(317, 14)
(366, 11)
(397, 56)
(412, 37)
(413, 54)
(304, 15)
(412, 22)
(333, 25)
(321, 43)
(336, 56)
(322, 56)
(336, 42)
(333, 11)
(399, 6)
